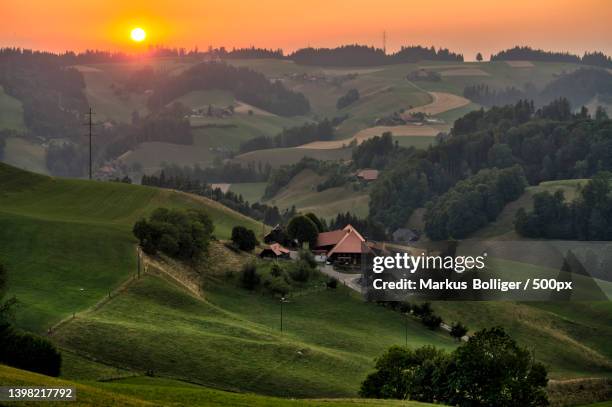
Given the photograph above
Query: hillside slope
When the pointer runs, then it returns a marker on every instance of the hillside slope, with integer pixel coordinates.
(148, 391)
(67, 243)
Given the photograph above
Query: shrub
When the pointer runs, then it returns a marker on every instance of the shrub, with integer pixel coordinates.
(307, 257)
(300, 271)
(431, 321)
(249, 277)
(458, 330)
(421, 310)
(332, 283)
(29, 352)
(244, 238)
(181, 234)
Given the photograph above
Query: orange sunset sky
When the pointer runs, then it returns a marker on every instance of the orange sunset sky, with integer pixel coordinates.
(464, 26)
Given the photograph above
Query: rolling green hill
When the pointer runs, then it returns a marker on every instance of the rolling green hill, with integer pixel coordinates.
(67, 243)
(149, 391)
(301, 192)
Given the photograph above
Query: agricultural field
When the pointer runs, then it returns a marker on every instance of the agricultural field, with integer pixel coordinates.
(250, 191)
(277, 157)
(301, 193)
(67, 242)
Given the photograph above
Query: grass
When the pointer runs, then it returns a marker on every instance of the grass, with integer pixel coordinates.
(231, 338)
(301, 192)
(149, 391)
(199, 99)
(278, 157)
(250, 191)
(11, 112)
(67, 243)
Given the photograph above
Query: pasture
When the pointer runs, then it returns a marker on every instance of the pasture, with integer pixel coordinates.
(67, 242)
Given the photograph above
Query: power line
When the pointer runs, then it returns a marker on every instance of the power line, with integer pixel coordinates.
(89, 124)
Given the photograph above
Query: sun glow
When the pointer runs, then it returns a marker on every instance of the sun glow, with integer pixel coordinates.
(138, 34)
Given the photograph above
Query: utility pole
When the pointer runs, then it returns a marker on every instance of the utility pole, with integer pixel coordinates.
(90, 125)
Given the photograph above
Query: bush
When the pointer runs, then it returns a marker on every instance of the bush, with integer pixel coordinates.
(458, 330)
(431, 321)
(308, 257)
(421, 310)
(29, 352)
(249, 278)
(332, 283)
(300, 271)
(244, 238)
(180, 234)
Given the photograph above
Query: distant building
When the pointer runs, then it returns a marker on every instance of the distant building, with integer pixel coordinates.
(343, 246)
(275, 251)
(368, 174)
(405, 235)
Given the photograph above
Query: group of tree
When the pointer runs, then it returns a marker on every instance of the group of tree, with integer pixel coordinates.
(183, 177)
(579, 87)
(247, 85)
(473, 202)
(589, 217)
(184, 235)
(548, 143)
(491, 369)
(190, 181)
(292, 136)
(367, 227)
(278, 278)
(362, 55)
(21, 349)
(376, 152)
(351, 96)
(530, 54)
(244, 239)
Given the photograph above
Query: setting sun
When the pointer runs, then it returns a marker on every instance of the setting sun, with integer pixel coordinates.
(138, 34)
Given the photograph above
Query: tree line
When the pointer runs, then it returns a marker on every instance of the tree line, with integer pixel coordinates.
(589, 217)
(362, 55)
(292, 136)
(579, 87)
(247, 85)
(596, 58)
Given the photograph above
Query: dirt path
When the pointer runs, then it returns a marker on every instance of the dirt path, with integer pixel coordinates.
(442, 102)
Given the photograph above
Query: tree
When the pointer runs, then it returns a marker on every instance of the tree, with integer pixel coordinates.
(244, 238)
(316, 221)
(458, 330)
(303, 229)
(492, 370)
(479, 57)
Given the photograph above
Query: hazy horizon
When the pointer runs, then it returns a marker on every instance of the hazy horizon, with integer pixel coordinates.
(467, 28)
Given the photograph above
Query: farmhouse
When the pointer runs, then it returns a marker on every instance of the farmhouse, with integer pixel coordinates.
(343, 246)
(275, 251)
(368, 175)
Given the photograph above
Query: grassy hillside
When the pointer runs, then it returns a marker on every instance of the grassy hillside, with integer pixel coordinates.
(67, 243)
(149, 391)
(284, 156)
(302, 193)
(231, 339)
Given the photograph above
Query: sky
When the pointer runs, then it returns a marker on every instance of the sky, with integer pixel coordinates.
(466, 26)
